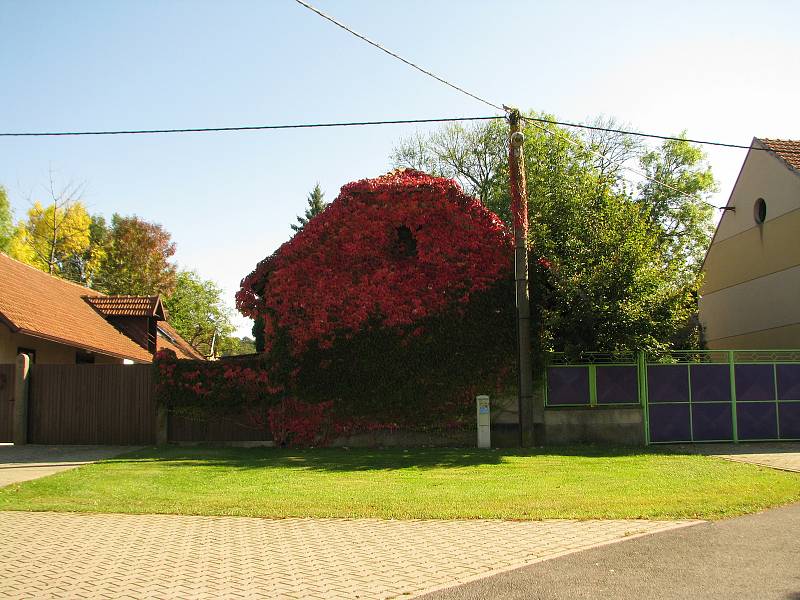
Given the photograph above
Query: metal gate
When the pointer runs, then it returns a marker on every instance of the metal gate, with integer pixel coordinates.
(688, 396)
(723, 396)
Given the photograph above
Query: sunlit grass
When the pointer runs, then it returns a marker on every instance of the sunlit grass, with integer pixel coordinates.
(578, 482)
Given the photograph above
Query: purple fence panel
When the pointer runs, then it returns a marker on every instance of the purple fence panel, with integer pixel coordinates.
(712, 421)
(567, 385)
(756, 420)
(755, 382)
(788, 382)
(711, 383)
(617, 384)
(668, 383)
(789, 413)
(669, 423)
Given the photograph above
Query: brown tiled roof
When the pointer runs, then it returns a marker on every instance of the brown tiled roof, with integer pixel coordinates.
(169, 338)
(787, 150)
(127, 306)
(37, 304)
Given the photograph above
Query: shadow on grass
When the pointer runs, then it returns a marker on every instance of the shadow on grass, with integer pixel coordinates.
(358, 459)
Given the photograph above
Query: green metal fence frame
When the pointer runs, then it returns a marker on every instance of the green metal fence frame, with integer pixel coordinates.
(642, 360)
(592, 360)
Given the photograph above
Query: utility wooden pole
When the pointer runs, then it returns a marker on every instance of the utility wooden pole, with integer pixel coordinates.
(519, 211)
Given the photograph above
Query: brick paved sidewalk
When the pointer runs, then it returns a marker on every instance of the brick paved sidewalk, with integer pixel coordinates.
(65, 555)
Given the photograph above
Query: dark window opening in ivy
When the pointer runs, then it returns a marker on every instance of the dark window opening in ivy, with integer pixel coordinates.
(405, 244)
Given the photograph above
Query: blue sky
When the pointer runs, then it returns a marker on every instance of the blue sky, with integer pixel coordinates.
(721, 70)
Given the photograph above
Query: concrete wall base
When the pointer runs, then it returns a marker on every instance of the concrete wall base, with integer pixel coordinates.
(601, 425)
(236, 444)
(395, 439)
(597, 425)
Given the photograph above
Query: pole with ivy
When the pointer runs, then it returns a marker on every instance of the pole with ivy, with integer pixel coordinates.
(519, 211)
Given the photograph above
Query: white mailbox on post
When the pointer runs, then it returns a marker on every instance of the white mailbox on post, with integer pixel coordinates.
(484, 422)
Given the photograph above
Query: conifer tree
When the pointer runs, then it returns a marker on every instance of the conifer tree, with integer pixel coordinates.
(316, 204)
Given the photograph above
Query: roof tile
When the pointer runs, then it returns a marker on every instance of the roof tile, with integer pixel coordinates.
(788, 150)
(125, 306)
(41, 305)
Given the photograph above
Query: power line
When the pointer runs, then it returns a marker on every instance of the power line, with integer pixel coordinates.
(470, 94)
(243, 128)
(536, 123)
(384, 122)
(534, 120)
(654, 135)
(397, 56)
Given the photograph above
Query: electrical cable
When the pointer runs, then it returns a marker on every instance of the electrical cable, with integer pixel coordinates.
(244, 128)
(397, 56)
(505, 109)
(536, 123)
(655, 135)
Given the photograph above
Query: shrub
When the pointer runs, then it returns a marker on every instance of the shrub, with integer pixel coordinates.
(203, 389)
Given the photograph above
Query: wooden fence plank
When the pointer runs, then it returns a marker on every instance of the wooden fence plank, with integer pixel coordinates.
(113, 404)
(234, 428)
(92, 404)
(6, 402)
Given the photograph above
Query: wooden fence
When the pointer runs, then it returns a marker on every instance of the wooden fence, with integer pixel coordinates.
(91, 404)
(6, 402)
(233, 428)
(107, 404)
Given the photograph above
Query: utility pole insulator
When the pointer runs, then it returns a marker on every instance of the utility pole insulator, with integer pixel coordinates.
(519, 211)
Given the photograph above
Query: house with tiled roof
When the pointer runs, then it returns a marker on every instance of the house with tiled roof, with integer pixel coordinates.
(59, 322)
(750, 297)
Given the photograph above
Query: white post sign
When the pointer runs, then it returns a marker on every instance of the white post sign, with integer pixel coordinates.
(484, 422)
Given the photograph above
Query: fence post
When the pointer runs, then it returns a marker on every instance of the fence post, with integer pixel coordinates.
(21, 389)
(593, 386)
(641, 368)
(734, 416)
(162, 425)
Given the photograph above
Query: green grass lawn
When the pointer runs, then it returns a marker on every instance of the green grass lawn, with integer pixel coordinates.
(579, 482)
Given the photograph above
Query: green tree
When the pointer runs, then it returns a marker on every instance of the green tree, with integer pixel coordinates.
(136, 260)
(6, 221)
(606, 280)
(239, 345)
(316, 204)
(472, 155)
(679, 211)
(83, 266)
(197, 311)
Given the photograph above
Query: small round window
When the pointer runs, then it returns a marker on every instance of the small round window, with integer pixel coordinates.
(760, 211)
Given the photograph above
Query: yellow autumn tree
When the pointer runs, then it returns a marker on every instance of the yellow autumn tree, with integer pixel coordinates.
(53, 235)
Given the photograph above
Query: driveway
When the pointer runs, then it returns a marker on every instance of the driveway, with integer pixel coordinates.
(23, 463)
(753, 557)
(69, 555)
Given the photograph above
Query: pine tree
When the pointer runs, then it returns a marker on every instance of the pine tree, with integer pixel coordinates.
(316, 204)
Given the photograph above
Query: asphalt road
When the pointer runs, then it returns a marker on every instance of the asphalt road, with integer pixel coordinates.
(756, 556)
